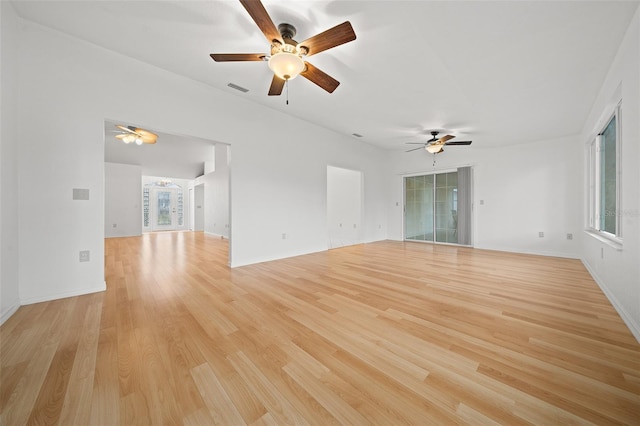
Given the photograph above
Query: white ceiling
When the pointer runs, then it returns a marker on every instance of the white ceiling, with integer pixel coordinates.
(496, 72)
(179, 157)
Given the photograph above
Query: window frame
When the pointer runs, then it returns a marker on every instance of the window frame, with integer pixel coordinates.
(594, 182)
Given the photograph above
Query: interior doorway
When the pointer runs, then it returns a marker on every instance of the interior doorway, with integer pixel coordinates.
(138, 177)
(198, 208)
(344, 206)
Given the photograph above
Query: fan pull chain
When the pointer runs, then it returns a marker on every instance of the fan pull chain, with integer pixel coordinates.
(286, 83)
(434, 161)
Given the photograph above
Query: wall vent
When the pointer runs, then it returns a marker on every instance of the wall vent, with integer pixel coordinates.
(80, 194)
(240, 88)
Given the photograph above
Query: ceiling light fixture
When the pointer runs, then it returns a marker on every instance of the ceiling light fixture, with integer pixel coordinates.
(128, 139)
(286, 65)
(433, 148)
(131, 134)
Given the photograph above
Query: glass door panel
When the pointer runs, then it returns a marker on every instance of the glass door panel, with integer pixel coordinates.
(447, 207)
(419, 208)
(431, 204)
(164, 218)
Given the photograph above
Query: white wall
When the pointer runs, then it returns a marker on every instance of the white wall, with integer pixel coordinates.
(123, 200)
(526, 189)
(216, 194)
(198, 201)
(9, 237)
(344, 206)
(618, 271)
(68, 87)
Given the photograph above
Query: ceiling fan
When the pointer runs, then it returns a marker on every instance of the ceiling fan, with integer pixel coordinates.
(130, 134)
(286, 55)
(436, 145)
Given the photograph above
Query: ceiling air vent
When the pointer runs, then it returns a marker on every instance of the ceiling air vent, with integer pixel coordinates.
(357, 135)
(240, 88)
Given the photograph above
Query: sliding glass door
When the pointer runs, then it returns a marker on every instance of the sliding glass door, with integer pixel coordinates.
(419, 206)
(432, 209)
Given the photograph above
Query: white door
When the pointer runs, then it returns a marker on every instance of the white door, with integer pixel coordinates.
(164, 211)
(344, 206)
(192, 209)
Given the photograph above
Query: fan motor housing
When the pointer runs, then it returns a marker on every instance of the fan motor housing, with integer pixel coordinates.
(287, 31)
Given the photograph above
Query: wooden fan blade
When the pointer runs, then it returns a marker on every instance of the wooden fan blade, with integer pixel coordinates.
(445, 138)
(276, 86)
(147, 136)
(415, 149)
(125, 128)
(414, 143)
(262, 19)
(459, 143)
(340, 34)
(322, 79)
(230, 57)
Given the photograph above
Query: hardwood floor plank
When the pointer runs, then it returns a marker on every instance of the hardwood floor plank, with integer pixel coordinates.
(198, 418)
(105, 399)
(277, 405)
(381, 333)
(77, 402)
(220, 406)
(334, 404)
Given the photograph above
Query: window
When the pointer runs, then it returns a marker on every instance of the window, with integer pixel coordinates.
(145, 207)
(604, 180)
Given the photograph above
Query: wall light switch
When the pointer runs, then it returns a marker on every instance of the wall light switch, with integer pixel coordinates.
(85, 256)
(541, 234)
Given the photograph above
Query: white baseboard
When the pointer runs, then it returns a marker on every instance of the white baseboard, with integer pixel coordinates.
(534, 252)
(211, 234)
(64, 295)
(8, 311)
(634, 327)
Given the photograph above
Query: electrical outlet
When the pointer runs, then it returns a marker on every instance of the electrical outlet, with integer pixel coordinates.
(85, 256)
(354, 226)
(115, 225)
(482, 202)
(569, 236)
(540, 234)
(284, 236)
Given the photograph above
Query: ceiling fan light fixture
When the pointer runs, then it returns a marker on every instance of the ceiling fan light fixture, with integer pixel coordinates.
(128, 139)
(286, 65)
(433, 148)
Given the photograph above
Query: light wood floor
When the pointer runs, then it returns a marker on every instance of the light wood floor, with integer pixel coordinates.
(384, 333)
